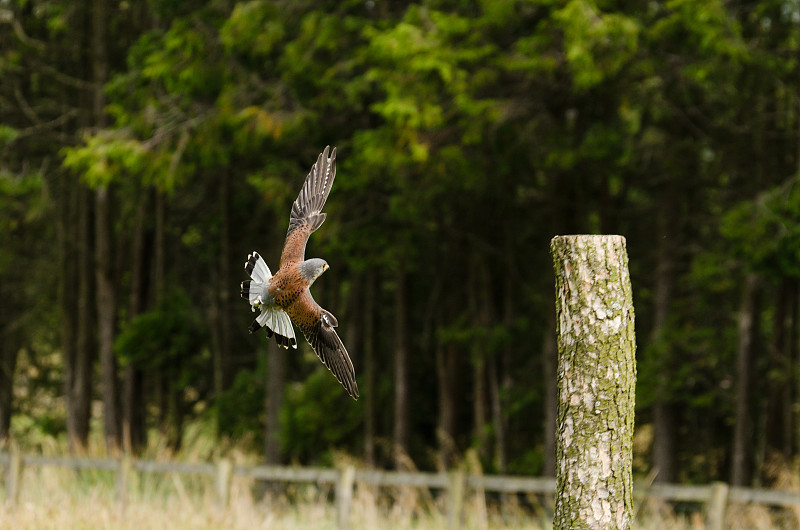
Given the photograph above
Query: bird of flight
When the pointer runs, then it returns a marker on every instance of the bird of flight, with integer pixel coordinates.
(284, 298)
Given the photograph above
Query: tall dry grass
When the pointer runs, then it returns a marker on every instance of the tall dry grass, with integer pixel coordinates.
(55, 498)
(64, 499)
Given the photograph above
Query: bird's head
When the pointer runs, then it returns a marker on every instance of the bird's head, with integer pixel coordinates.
(311, 269)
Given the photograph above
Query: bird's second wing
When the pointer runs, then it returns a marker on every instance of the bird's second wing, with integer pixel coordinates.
(307, 213)
(318, 326)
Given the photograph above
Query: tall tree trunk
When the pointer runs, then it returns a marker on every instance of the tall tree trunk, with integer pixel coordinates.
(401, 395)
(664, 421)
(8, 363)
(748, 333)
(159, 250)
(80, 380)
(106, 289)
(479, 404)
(369, 366)
(133, 424)
(159, 284)
(276, 362)
(596, 382)
(222, 354)
(447, 377)
(504, 361)
(67, 294)
(777, 429)
(498, 423)
(480, 308)
(106, 318)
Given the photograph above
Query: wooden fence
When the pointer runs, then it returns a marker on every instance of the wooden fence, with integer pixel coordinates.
(715, 497)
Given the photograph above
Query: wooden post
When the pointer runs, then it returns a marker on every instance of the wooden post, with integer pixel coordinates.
(456, 486)
(123, 476)
(222, 480)
(14, 476)
(480, 517)
(344, 495)
(596, 381)
(717, 504)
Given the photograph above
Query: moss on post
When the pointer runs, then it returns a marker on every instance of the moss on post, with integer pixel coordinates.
(596, 381)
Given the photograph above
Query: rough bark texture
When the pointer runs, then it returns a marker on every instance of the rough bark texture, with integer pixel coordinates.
(596, 381)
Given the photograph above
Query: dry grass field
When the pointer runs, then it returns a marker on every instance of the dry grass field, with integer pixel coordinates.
(63, 499)
(59, 498)
(54, 498)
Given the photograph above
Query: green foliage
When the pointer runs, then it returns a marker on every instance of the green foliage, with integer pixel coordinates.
(317, 418)
(170, 339)
(765, 232)
(7, 134)
(239, 411)
(106, 157)
(598, 45)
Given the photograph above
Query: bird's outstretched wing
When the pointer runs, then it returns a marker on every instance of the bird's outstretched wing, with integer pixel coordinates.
(307, 213)
(318, 326)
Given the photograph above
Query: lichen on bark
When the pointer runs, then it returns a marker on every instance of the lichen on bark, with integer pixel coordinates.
(596, 381)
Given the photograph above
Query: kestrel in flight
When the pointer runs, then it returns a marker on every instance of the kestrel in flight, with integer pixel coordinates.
(284, 298)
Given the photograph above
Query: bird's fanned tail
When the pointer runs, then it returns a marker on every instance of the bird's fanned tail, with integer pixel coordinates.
(273, 318)
(277, 323)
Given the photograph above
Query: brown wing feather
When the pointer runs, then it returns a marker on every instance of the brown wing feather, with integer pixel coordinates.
(318, 326)
(307, 213)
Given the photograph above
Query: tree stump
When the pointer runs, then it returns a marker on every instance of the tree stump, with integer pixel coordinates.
(596, 382)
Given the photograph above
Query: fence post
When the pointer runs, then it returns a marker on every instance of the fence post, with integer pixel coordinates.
(344, 495)
(123, 475)
(456, 486)
(717, 505)
(14, 476)
(473, 462)
(596, 381)
(222, 481)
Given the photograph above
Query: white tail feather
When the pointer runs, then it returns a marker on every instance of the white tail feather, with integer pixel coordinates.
(278, 321)
(257, 268)
(255, 292)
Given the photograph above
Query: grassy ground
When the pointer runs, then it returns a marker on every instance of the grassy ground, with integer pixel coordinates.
(63, 499)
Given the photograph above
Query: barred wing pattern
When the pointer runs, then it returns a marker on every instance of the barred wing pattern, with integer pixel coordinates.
(307, 213)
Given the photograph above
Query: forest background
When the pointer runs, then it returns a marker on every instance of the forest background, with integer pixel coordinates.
(147, 147)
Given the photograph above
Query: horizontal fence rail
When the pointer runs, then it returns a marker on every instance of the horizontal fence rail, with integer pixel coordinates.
(456, 484)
